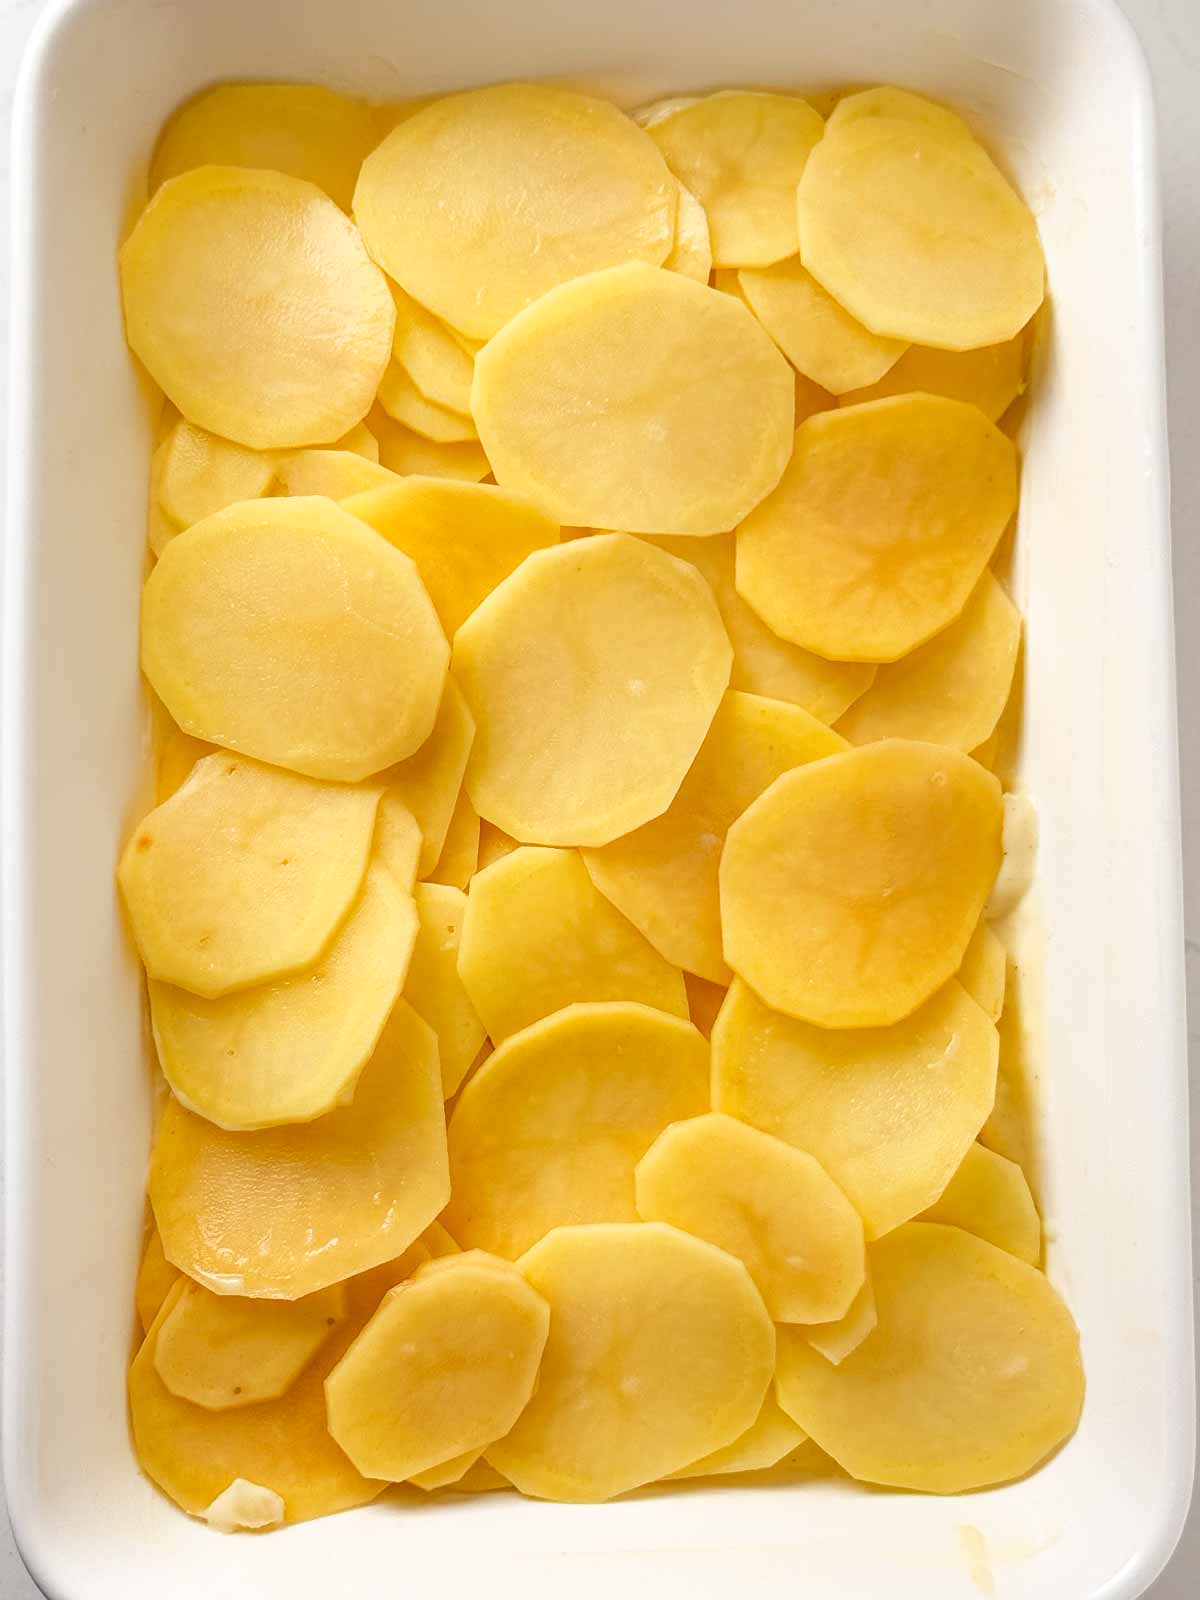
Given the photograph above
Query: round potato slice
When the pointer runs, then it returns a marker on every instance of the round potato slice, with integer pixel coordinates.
(403, 451)
(971, 1378)
(403, 401)
(444, 1367)
(483, 201)
(287, 1211)
(435, 361)
(770, 1437)
(552, 1126)
(288, 630)
(433, 987)
(225, 242)
(837, 1340)
(397, 840)
(660, 1352)
(691, 253)
(815, 333)
(620, 650)
(244, 874)
(765, 1202)
(456, 865)
(337, 474)
(881, 527)
(742, 153)
(429, 783)
(888, 1112)
(850, 889)
(984, 971)
(449, 1473)
(989, 1196)
(636, 399)
(200, 474)
(991, 377)
(155, 1280)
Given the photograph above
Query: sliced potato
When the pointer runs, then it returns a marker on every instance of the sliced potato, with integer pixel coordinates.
(989, 1196)
(200, 474)
(178, 754)
(360, 440)
(983, 973)
(403, 451)
(771, 1436)
(439, 366)
(704, 1001)
(482, 1478)
(155, 1280)
(991, 377)
(336, 474)
(433, 987)
(493, 844)
(817, 335)
(397, 839)
(160, 528)
(658, 110)
(456, 865)
(691, 253)
(448, 1473)
(837, 1340)
(403, 401)
(429, 783)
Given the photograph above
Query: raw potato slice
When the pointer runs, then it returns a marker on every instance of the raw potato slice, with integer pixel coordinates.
(837, 1340)
(658, 110)
(636, 399)
(538, 935)
(991, 377)
(482, 1478)
(971, 1378)
(404, 402)
(772, 1206)
(989, 1196)
(456, 865)
(225, 242)
(397, 840)
(552, 1126)
(285, 1212)
(765, 1442)
(444, 1367)
(850, 889)
(160, 529)
(663, 875)
(403, 451)
(984, 971)
(201, 474)
(881, 527)
(178, 754)
(617, 647)
(336, 474)
(888, 1112)
(885, 100)
(220, 1351)
(493, 844)
(288, 630)
(817, 335)
(360, 440)
(448, 1474)
(439, 366)
(741, 154)
(429, 783)
(483, 201)
(660, 1352)
(704, 1002)
(433, 987)
(155, 1280)
(244, 874)
(464, 537)
(952, 690)
(691, 253)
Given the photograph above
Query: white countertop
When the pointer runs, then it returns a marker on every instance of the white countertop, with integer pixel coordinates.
(1170, 33)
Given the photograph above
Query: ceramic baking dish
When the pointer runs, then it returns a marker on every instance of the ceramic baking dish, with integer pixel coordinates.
(1058, 86)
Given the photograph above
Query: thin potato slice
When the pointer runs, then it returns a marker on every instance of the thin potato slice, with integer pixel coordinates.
(881, 527)
(449, 1473)
(360, 440)
(638, 400)
(888, 1112)
(617, 647)
(483, 201)
(971, 1378)
(660, 1352)
(288, 630)
(837, 1340)
(984, 971)
(691, 253)
(770, 1437)
(991, 377)
(658, 110)
(704, 1001)
(397, 839)
(456, 865)
(989, 1196)
(482, 1478)
(284, 1212)
(538, 935)
(178, 754)
(493, 844)
(160, 528)
(433, 987)
(817, 335)
(224, 242)
(404, 402)
(200, 474)
(439, 366)
(551, 1127)
(403, 451)
(336, 474)
(155, 1280)
(429, 783)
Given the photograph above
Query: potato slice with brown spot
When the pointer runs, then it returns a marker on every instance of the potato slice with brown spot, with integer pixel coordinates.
(337, 474)
(403, 451)
(817, 335)
(429, 782)
(456, 865)
(155, 1280)
(989, 1197)
(991, 377)
(770, 1437)
(201, 473)
(837, 1340)
(983, 973)
(433, 987)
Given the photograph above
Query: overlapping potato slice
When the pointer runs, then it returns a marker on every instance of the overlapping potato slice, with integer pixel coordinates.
(429, 782)
(225, 242)
(443, 1368)
(971, 1378)
(155, 1280)
(435, 361)
(837, 1340)
(772, 1206)
(881, 527)
(404, 402)
(287, 629)
(482, 1478)
(991, 377)
(286, 1211)
(851, 888)
(657, 110)
(448, 1473)
(660, 1352)
(160, 528)
(888, 1112)
(401, 450)
(483, 201)
(663, 875)
(817, 335)
(691, 253)
(336, 474)
(538, 935)
(770, 1437)
(433, 987)
(397, 843)
(984, 971)
(493, 844)
(704, 1001)
(460, 850)
(176, 756)
(989, 1196)
(551, 1127)
(742, 153)
(244, 874)
(360, 440)
(621, 650)
(200, 474)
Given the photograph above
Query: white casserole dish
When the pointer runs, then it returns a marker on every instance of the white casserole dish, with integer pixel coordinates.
(1060, 87)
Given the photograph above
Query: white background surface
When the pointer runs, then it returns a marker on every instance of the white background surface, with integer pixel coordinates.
(1170, 32)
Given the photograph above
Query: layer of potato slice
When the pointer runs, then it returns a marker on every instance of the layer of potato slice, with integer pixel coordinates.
(984, 971)
(289, 630)
(817, 335)
(459, 859)
(435, 361)
(989, 1196)
(881, 527)
(360, 440)
(888, 1112)
(621, 650)
(224, 241)
(404, 402)
(155, 1280)
(551, 1127)
(429, 782)
(691, 253)
(837, 1340)
(336, 474)
(991, 377)
(448, 1473)
(971, 1378)
(397, 844)
(160, 528)
(401, 450)
(433, 987)
(660, 1352)
(493, 844)
(704, 1001)
(178, 753)
(328, 1198)
(771, 1436)
(201, 473)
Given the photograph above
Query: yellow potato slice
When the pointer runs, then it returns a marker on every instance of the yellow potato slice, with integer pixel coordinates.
(225, 242)
(971, 1378)
(397, 840)
(493, 844)
(991, 377)
(439, 366)
(360, 440)
(837, 1340)
(552, 1126)
(464, 537)
(538, 935)
(658, 110)
(448, 1473)
(482, 1478)
(438, 1241)
(772, 1206)
(888, 1112)
(403, 451)
(952, 690)
(178, 754)
(660, 1352)
(691, 253)
(742, 153)
(160, 528)
(404, 402)
(288, 630)
(636, 366)
(987, 752)
(704, 1001)
(770, 1437)
(663, 875)
(429, 783)
(850, 889)
(885, 100)
(984, 971)
(445, 1366)
(155, 1280)
(483, 201)
(456, 865)
(617, 647)
(817, 335)
(989, 1196)
(201, 474)
(244, 874)
(433, 987)
(337, 474)
(284, 1212)
(881, 527)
